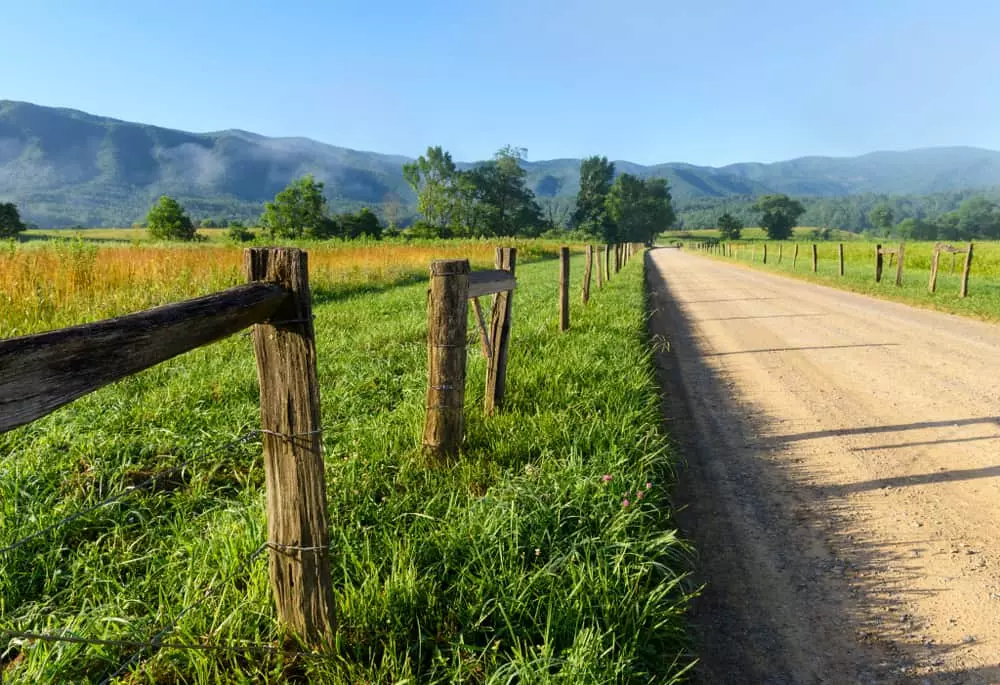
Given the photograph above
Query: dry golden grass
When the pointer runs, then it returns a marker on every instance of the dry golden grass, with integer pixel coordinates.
(54, 285)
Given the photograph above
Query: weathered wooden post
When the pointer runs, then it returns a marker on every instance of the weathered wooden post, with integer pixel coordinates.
(618, 257)
(447, 323)
(795, 256)
(299, 555)
(932, 283)
(496, 367)
(815, 256)
(563, 289)
(587, 268)
(600, 267)
(878, 263)
(765, 254)
(779, 253)
(899, 265)
(964, 292)
(607, 263)
(840, 252)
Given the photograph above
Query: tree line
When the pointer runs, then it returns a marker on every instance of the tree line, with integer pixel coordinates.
(952, 215)
(492, 199)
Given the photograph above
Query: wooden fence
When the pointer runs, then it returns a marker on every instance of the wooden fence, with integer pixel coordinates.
(40, 373)
(896, 255)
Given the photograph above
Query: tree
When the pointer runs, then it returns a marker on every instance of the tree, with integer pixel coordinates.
(364, 222)
(10, 220)
(167, 220)
(505, 206)
(238, 233)
(433, 178)
(298, 211)
(917, 229)
(979, 218)
(730, 227)
(882, 218)
(778, 215)
(639, 210)
(590, 214)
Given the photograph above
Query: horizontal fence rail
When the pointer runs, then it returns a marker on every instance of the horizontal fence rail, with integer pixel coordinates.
(40, 373)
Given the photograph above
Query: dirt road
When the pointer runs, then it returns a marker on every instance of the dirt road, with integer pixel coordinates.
(843, 478)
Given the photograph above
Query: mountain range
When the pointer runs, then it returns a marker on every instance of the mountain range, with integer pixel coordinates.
(65, 167)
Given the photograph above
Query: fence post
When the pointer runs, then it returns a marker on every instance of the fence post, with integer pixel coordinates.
(815, 265)
(299, 555)
(795, 256)
(587, 268)
(932, 283)
(840, 252)
(600, 268)
(964, 292)
(496, 366)
(564, 289)
(899, 266)
(765, 254)
(618, 257)
(779, 253)
(447, 323)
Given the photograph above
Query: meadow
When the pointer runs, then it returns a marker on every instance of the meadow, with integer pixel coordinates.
(983, 301)
(545, 554)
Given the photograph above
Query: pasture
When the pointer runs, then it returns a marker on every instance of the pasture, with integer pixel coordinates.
(983, 301)
(546, 553)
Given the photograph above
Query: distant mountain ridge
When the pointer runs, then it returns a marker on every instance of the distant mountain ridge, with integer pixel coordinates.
(65, 167)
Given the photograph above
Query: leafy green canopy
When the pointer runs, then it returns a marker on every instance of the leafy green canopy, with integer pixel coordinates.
(10, 220)
(778, 215)
(491, 199)
(639, 209)
(591, 214)
(730, 227)
(167, 220)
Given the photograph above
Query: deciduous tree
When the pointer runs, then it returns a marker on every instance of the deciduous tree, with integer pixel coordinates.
(590, 214)
(730, 227)
(10, 220)
(778, 215)
(167, 220)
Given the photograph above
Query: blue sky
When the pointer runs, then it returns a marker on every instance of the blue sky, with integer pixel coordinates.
(700, 81)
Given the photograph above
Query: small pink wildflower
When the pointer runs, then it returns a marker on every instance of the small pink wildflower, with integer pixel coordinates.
(625, 502)
(606, 478)
(649, 485)
(639, 494)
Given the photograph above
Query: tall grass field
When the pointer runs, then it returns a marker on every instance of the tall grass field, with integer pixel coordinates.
(983, 301)
(545, 554)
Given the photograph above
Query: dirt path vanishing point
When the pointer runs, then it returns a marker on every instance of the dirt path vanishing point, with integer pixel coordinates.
(842, 483)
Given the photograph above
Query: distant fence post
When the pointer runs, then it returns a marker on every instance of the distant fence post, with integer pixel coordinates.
(795, 256)
(964, 292)
(878, 263)
(607, 263)
(297, 533)
(587, 268)
(563, 289)
(899, 265)
(779, 253)
(765, 254)
(840, 253)
(935, 258)
(496, 366)
(618, 257)
(815, 258)
(447, 324)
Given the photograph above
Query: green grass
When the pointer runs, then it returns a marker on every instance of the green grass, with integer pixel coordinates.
(859, 273)
(753, 233)
(517, 565)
